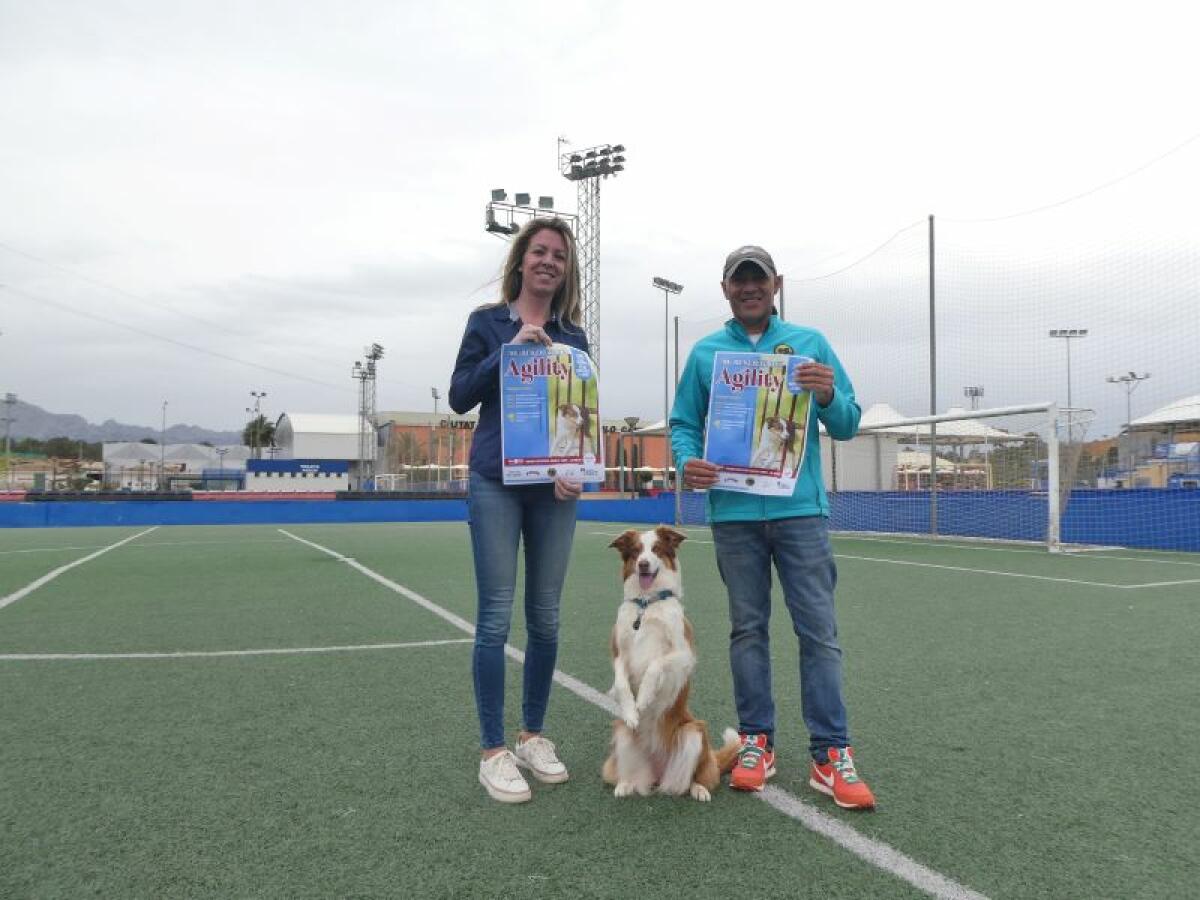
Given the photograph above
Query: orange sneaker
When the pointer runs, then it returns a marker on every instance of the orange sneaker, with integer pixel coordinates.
(755, 764)
(839, 780)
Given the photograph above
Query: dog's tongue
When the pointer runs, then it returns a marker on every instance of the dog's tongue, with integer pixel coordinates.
(645, 580)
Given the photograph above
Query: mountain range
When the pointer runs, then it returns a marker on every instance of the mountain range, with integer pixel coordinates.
(34, 422)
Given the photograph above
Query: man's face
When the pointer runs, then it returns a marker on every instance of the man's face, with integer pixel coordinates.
(751, 295)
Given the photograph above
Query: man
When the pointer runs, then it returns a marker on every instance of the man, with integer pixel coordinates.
(751, 531)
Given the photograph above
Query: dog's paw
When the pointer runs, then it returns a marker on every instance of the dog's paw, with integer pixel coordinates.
(630, 718)
(700, 792)
(623, 789)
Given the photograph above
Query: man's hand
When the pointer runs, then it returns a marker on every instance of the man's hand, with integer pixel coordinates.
(816, 377)
(567, 490)
(699, 474)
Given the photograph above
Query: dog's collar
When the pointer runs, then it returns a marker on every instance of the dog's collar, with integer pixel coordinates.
(643, 602)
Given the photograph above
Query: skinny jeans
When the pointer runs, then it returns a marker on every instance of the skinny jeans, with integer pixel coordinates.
(501, 517)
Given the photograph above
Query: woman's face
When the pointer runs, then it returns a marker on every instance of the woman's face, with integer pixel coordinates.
(545, 264)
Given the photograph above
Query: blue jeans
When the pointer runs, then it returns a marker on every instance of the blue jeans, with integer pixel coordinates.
(804, 560)
(500, 516)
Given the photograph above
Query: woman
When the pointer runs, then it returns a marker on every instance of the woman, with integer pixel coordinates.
(539, 303)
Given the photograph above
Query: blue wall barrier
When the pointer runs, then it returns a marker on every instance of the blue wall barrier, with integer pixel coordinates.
(1145, 518)
(216, 512)
(1152, 519)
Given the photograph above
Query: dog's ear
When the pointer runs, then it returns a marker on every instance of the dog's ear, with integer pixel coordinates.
(627, 544)
(669, 538)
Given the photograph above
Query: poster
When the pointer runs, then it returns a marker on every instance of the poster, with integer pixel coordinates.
(757, 425)
(549, 415)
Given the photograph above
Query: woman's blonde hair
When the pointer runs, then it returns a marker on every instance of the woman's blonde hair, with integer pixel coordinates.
(567, 304)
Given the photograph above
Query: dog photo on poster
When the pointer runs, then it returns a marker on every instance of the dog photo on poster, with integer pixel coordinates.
(757, 422)
(549, 415)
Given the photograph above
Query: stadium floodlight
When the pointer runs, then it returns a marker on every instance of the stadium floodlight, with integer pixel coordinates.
(521, 199)
(499, 195)
(586, 168)
(1129, 381)
(545, 203)
(1067, 335)
(973, 393)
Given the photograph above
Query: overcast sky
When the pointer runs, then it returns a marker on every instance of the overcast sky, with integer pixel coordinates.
(204, 199)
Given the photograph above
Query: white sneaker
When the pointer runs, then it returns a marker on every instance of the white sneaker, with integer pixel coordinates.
(499, 775)
(538, 756)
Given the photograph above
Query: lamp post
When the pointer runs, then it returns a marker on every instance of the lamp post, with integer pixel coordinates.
(162, 451)
(668, 288)
(433, 448)
(1067, 335)
(256, 413)
(1130, 381)
(632, 422)
(10, 400)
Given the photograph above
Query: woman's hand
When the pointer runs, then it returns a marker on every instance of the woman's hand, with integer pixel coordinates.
(567, 490)
(532, 334)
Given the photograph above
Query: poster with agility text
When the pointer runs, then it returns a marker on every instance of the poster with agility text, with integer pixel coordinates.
(549, 415)
(757, 425)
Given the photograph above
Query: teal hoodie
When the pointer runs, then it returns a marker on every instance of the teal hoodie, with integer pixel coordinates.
(840, 418)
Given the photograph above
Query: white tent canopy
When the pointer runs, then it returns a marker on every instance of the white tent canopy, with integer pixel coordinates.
(1180, 412)
(959, 431)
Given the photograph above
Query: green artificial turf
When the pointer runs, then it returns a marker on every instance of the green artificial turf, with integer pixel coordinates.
(1025, 737)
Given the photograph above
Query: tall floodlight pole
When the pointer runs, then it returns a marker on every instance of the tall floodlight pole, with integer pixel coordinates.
(364, 372)
(437, 472)
(10, 401)
(973, 393)
(162, 451)
(1130, 381)
(1067, 335)
(586, 168)
(668, 288)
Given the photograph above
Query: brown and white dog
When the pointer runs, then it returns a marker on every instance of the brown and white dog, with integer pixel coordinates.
(657, 744)
(571, 431)
(778, 439)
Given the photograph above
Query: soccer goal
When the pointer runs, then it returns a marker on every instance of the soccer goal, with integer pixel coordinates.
(999, 474)
(1002, 474)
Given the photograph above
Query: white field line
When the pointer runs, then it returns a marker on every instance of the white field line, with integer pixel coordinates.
(193, 654)
(876, 853)
(45, 550)
(50, 576)
(974, 571)
(1081, 554)
(149, 545)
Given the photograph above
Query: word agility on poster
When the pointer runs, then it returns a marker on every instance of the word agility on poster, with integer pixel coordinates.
(740, 379)
(541, 367)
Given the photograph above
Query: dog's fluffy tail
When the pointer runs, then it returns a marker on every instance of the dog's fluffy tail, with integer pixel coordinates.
(727, 753)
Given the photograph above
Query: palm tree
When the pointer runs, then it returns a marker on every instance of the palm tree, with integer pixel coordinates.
(258, 433)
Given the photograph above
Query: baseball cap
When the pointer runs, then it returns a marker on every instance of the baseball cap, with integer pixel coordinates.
(750, 253)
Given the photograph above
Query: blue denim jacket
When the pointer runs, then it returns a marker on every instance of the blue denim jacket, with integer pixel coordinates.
(476, 378)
